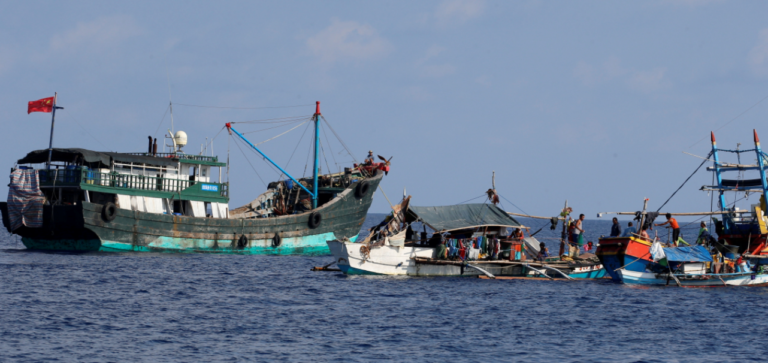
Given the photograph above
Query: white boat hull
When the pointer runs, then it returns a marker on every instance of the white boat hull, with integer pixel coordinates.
(700, 280)
(391, 260)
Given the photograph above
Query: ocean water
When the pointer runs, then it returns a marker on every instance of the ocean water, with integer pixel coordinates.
(128, 307)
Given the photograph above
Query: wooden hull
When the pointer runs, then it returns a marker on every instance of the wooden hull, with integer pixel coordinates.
(391, 260)
(633, 254)
(704, 280)
(83, 228)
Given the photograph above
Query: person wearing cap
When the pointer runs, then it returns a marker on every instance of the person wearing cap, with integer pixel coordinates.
(369, 159)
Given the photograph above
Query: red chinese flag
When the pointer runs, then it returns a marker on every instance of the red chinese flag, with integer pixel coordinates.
(42, 105)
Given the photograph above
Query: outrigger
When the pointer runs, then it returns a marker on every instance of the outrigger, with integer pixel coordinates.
(475, 236)
(736, 258)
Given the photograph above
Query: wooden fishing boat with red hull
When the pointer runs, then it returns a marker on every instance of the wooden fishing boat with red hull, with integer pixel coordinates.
(741, 234)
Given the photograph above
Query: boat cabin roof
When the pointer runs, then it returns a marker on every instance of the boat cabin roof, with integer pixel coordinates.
(462, 216)
(104, 159)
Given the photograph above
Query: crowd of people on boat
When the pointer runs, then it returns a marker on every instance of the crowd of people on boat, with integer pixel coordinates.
(703, 237)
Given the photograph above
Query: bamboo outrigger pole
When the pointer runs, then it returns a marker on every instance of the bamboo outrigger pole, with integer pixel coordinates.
(599, 215)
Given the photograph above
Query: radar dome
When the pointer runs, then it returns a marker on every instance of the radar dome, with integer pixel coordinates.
(180, 138)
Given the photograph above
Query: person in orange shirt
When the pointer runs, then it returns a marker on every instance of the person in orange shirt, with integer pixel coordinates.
(675, 228)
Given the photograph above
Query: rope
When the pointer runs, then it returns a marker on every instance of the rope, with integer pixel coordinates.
(249, 163)
(270, 128)
(340, 140)
(686, 180)
(521, 209)
(272, 120)
(469, 200)
(161, 120)
(243, 108)
(294, 151)
(291, 129)
(733, 119)
(322, 151)
(328, 142)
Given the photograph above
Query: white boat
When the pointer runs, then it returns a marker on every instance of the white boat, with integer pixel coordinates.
(694, 280)
(395, 256)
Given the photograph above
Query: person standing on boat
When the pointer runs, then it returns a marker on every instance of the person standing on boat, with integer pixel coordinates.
(644, 233)
(441, 253)
(616, 228)
(578, 231)
(675, 228)
(704, 235)
(629, 231)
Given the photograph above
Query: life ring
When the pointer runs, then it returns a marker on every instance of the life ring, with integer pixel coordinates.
(314, 220)
(109, 212)
(362, 189)
(242, 242)
(277, 240)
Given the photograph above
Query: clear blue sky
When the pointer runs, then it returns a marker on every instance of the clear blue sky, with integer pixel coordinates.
(588, 101)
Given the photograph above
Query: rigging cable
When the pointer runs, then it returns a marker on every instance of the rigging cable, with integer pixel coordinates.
(733, 119)
(291, 129)
(469, 200)
(294, 151)
(242, 108)
(69, 114)
(249, 163)
(276, 120)
(340, 140)
(270, 128)
(328, 142)
(322, 150)
(161, 120)
(686, 180)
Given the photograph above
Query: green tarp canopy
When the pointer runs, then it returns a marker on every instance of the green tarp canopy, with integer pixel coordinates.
(92, 159)
(463, 216)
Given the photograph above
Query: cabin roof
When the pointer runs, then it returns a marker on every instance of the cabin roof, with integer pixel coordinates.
(463, 216)
(93, 159)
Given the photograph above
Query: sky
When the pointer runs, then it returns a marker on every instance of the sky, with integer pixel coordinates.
(593, 102)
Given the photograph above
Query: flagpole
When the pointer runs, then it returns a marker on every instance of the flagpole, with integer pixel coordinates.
(53, 118)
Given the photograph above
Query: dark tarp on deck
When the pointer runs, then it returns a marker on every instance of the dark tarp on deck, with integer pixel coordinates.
(92, 159)
(462, 216)
(688, 254)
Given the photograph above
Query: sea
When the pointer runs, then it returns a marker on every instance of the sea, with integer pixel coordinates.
(162, 307)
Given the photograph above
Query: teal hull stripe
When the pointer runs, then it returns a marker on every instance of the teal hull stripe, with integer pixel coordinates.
(306, 246)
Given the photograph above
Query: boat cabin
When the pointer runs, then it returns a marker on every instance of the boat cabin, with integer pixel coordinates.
(162, 183)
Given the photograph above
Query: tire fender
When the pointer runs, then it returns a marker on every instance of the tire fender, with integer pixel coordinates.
(315, 219)
(362, 189)
(109, 212)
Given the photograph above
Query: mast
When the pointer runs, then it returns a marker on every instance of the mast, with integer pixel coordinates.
(317, 154)
(760, 163)
(565, 228)
(642, 217)
(53, 118)
(718, 176)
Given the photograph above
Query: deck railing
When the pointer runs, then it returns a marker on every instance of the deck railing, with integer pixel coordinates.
(74, 177)
(214, 159)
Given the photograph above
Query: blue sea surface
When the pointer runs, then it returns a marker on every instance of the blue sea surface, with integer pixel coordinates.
(127, 307)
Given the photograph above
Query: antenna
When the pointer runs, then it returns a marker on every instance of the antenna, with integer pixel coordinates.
(170, 99)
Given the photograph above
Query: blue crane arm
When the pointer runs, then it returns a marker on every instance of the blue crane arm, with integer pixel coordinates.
(270, 160)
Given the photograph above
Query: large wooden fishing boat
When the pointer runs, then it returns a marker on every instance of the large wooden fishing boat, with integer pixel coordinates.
(740, 249)
(82, 200)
